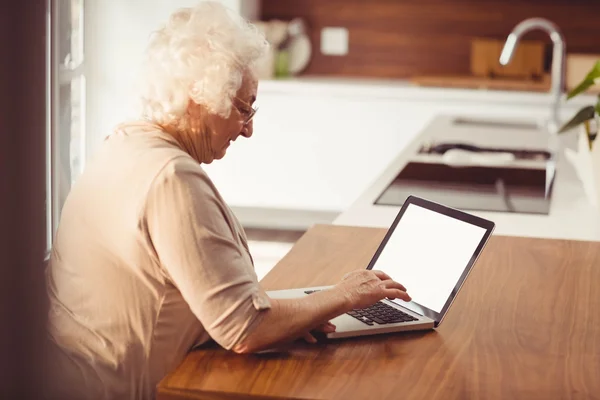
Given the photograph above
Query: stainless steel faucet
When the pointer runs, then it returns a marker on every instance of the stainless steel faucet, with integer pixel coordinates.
(558, 60)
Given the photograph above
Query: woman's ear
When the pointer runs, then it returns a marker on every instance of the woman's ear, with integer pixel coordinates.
(193, 109)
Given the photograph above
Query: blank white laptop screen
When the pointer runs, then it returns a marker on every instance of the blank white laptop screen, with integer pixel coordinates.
(427, 253)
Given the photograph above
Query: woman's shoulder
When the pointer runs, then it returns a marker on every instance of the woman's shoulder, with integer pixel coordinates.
(180, 169)
(138, 155)
(142, 133)
(154, 155)
(149, 147)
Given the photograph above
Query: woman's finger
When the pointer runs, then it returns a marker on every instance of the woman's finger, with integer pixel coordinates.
(381, 275)
(326, 327)
(308, 337)
(390, 284)
(396, 294)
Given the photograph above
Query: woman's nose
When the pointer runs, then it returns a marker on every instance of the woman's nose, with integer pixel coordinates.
(247, 130)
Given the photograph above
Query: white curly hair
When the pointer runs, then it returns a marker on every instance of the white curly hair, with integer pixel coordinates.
(200, 54)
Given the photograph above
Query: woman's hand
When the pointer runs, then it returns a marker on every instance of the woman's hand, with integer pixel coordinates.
(364, 288)
(327, 327)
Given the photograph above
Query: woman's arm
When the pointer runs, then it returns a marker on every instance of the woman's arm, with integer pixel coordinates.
(290, 318)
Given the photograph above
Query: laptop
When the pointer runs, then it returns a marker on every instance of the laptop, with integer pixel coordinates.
(430, 249)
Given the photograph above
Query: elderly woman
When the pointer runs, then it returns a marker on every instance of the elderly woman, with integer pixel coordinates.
(148, 260)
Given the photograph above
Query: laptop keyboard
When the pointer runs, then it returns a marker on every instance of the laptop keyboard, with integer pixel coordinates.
(379, 313)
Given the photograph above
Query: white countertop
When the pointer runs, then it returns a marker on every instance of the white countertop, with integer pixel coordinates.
(571, 214)
(404, 89)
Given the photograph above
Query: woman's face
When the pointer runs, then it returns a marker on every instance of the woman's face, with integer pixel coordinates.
(225, 130)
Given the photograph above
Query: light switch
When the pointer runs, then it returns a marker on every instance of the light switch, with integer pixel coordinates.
(334, 41)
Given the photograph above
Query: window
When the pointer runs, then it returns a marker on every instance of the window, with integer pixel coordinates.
(66, 95)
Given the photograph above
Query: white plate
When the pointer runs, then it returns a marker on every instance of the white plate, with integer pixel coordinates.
(299, 51)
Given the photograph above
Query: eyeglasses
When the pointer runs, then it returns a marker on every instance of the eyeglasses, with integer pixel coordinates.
(247, 111)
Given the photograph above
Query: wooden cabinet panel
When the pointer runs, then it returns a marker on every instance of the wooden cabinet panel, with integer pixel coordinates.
(403, 38)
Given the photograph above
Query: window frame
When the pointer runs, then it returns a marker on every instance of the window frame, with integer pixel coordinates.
(60, 74)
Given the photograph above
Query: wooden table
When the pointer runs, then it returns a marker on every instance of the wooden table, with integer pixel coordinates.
(525, 326)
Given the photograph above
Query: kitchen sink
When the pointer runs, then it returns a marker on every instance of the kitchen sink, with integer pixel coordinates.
(478, 164)
(515, 153)
(503, 189)
(491, 123)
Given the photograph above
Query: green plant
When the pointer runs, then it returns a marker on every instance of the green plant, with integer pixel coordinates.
(587, 114)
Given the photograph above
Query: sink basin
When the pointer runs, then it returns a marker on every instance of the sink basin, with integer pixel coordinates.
(492, 123)
(519, 183)
(517, 154)
(502, 189)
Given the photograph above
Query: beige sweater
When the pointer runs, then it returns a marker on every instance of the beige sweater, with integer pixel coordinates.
(148, 262)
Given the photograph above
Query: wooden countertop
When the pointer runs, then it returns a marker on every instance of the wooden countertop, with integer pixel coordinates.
(477, 82)
(526, 325)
